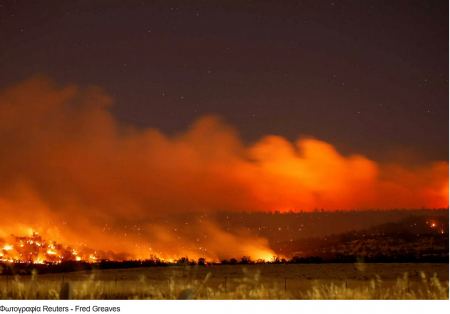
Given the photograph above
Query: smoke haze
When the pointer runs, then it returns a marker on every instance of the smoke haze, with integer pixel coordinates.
(72, 172)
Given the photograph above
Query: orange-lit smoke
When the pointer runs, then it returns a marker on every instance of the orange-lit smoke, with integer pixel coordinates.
(71, 171)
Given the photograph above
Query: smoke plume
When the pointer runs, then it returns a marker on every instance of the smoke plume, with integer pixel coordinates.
(70, 171)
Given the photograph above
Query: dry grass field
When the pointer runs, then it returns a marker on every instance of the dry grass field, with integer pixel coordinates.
(279, 281)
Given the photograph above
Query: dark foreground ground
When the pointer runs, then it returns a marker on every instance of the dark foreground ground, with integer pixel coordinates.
(271, 281)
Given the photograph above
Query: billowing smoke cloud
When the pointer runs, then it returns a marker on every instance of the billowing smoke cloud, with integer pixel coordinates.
(70, 170)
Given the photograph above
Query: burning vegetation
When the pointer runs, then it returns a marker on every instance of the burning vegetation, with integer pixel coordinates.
(70, 171)
(34, 249)
(409, 236)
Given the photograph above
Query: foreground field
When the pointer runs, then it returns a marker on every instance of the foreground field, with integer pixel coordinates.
(275, 281)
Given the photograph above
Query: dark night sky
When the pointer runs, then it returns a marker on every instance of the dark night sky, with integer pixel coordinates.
(368, 76)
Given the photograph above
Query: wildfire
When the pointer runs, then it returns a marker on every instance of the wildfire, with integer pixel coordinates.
(94, 179)
(34, 249)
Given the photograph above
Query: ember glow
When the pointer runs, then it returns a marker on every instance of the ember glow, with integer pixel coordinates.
(71, 172)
